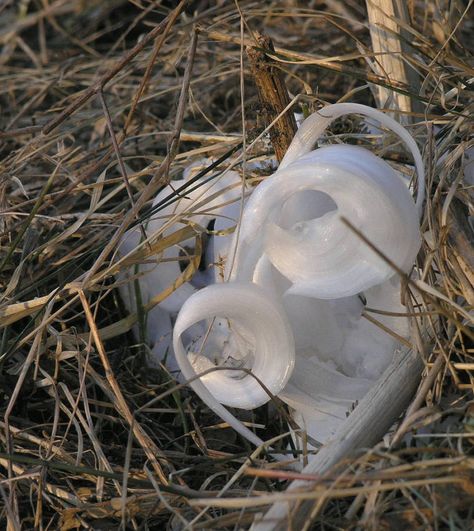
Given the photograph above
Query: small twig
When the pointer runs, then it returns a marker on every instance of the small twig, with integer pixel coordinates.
(126, 474)
(273, 95)
(321, 492)
(22, 131)
(183, 98)
(387, 330)
(84, 471)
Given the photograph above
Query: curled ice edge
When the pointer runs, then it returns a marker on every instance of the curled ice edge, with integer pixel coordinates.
(206, 302)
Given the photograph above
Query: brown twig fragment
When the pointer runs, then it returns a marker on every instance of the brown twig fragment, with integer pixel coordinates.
(272, 94)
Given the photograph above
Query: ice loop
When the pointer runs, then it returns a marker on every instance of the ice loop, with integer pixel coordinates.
(290, 311)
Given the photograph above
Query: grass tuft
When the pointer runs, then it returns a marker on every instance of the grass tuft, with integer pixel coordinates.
(103, 103)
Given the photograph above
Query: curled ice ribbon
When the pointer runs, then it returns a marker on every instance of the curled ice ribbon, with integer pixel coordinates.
(321, 256)
(267, 344)
(202, 204)
(292, 243)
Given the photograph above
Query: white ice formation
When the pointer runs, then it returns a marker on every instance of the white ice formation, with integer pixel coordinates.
(297, 280)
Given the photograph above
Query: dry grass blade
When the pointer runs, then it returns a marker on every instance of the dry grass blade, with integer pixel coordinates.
(149, 447)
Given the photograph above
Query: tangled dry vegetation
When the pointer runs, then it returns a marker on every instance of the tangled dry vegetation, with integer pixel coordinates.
(102, 102)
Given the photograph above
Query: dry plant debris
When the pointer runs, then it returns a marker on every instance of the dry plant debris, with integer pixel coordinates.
(101, 103)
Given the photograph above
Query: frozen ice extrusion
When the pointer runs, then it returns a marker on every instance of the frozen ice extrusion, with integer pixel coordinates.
(291, 311)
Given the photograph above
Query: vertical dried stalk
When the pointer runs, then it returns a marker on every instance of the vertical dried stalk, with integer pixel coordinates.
(461, 244)
(273, 95)
(389, 48)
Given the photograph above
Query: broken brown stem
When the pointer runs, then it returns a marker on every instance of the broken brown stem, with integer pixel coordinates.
(273, 95)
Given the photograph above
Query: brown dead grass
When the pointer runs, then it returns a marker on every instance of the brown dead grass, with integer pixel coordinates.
(92, 438)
